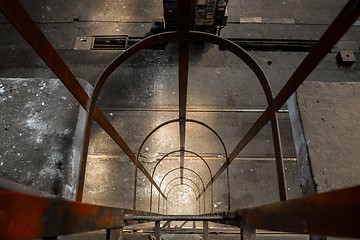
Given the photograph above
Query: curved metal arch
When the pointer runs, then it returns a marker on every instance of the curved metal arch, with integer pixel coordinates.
(187, 36)
(186, 178)
(181, 184)
(189, 179)
(169, 37)
(167, 123)
(184, 184)
(179, 120)
(188, 169)
(187, 151)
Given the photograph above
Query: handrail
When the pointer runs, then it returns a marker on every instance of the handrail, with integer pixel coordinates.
(334, 214)
(26, 216)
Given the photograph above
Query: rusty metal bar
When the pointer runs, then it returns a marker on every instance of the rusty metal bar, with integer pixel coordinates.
(23, 22)
(259, 124)
(333, 34)
(25, 25)
(182, 217)
(205, 230)
(228, 187)
(114, 234)
(129, 212)
(195, 36)
(183, 24)
(24, 216)
(327, 214)
(279, 158)
(332, 214)
(183, 52)
(157, 230)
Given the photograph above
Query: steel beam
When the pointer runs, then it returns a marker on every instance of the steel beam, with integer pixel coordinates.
(327, 214)
(24, 216)
(330, 214)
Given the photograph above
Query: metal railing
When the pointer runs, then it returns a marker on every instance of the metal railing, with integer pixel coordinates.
(337, 211)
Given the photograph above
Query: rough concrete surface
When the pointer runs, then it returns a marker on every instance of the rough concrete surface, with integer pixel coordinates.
(143, 93)
(37, 123)
(330, 114)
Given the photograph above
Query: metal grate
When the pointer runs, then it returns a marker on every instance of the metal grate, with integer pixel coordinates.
(110, 42)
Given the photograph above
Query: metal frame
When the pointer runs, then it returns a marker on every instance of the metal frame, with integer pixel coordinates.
(337, 211)
(182, 184)
(202, 182)
(182, 152)
(184, 178)
(186, 151)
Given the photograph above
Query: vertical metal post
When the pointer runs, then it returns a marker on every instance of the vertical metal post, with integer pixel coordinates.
(159, 203)
(157, 230)
(212, 197)
(248, 233)
(199, 206)
(114, 234)
(184, 48)
(279, 158)
(151, 195)
(166, 207)
(228, 183)
(183, 24)
(135, 186)
(206, 230)
(204, 204)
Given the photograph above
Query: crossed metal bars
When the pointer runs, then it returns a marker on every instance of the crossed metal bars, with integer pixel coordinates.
(330, 208)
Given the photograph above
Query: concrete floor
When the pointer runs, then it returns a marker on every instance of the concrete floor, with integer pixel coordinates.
(334, 157)
(143, 93)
